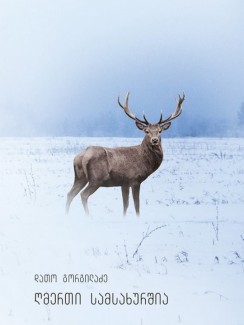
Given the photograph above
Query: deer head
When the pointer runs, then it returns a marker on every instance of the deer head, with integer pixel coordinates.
(152, 131)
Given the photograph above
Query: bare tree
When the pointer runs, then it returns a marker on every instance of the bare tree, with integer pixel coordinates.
(241, 115)
(127, 167)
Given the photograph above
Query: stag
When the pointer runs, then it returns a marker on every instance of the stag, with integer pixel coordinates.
(127, 167)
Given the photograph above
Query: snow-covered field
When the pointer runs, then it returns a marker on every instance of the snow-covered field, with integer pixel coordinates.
(191, 209)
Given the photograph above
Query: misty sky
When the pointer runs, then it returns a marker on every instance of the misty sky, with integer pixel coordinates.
(63, 63)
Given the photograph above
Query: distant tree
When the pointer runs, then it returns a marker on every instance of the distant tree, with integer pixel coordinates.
(241, 115)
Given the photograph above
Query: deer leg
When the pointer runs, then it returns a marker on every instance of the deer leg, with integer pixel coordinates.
(77, 187)
(136, 194)
(89, 190)
(125, 194)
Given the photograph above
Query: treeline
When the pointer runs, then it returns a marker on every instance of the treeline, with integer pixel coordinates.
(113, 125)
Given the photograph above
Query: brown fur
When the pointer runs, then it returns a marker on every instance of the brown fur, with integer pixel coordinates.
(126, 167)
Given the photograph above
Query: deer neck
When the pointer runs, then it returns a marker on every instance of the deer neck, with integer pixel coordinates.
(152, 154)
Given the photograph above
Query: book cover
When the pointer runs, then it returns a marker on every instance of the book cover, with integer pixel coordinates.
(121, 162)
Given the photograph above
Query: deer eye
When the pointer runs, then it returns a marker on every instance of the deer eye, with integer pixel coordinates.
(147, 131)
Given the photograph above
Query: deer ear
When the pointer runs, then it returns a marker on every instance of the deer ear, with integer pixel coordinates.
(140, 126)
(165, 126)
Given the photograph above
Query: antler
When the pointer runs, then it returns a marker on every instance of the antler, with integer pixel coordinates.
(176, 113)
(129, 113)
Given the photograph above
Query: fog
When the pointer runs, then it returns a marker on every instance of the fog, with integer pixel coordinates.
(63, 64)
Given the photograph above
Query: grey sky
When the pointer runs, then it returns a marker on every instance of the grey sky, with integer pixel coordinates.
(68, 60)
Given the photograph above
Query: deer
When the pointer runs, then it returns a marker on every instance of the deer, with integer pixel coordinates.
(126, 167)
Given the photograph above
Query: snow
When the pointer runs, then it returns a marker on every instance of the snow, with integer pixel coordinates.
(196, 256)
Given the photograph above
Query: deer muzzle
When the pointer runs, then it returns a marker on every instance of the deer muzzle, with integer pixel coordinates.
(154, 141)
